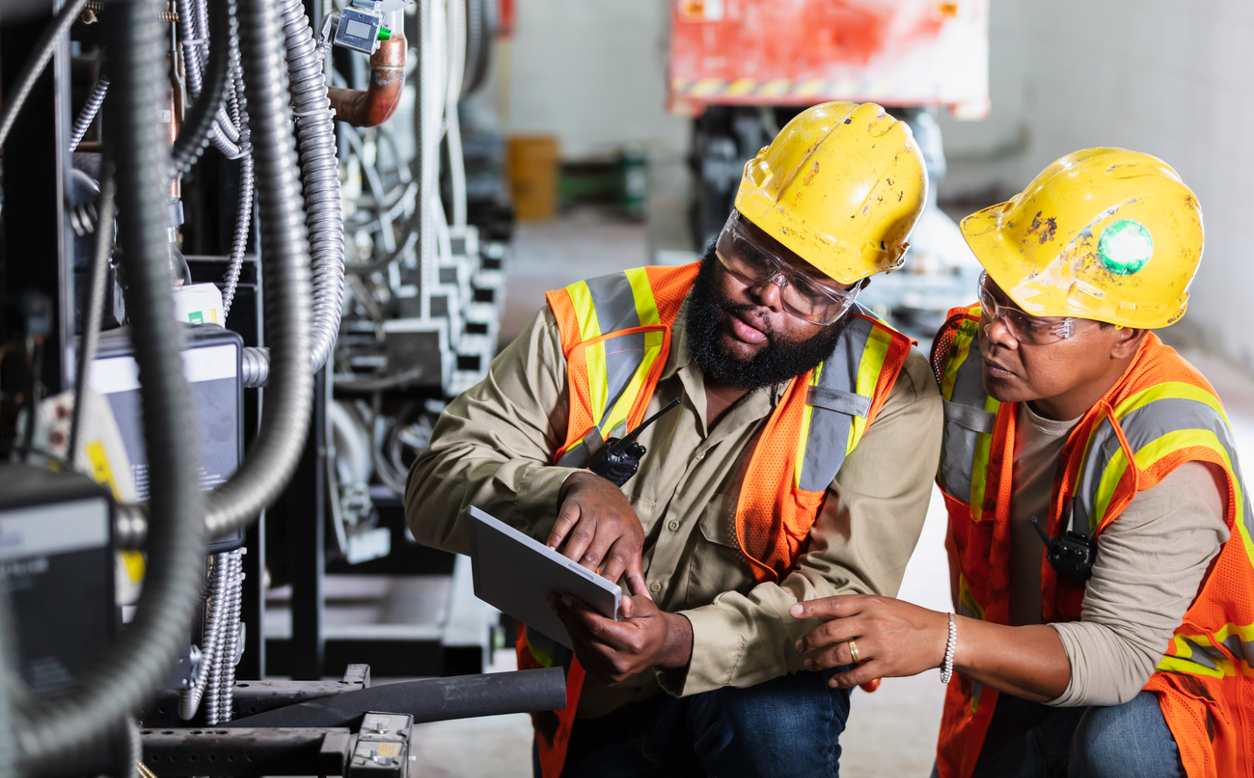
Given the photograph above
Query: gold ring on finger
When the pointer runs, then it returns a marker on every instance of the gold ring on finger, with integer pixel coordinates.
(853, 652)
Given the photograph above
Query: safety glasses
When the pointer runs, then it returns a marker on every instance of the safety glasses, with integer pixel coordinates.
(1035, 330)
(801, 295)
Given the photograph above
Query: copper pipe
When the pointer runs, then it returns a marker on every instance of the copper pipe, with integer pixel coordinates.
(372, 107)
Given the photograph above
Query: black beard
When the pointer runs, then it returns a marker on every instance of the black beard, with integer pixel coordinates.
(779, 361)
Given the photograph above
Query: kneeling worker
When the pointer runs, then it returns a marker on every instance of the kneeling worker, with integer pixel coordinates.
(797, 464)
(1098, 540)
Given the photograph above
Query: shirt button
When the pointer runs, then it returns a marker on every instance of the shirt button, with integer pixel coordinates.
(672, 525)
(655, 587)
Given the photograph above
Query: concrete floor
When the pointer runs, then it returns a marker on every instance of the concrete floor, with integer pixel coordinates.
(891, 732)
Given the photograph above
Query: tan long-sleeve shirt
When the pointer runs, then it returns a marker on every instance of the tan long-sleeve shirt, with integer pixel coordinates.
(1149, 565)
(492, 445)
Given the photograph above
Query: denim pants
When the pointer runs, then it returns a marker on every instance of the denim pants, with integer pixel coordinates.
(1028, 740)
(787, 726)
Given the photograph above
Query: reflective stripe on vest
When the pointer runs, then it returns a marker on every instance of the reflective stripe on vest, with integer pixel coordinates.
(842, 389)
(970, 415)
(1199, 655)
(1157, 422)
(617, 362)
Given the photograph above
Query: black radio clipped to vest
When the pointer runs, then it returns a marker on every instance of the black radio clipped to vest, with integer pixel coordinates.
(619, 459)
(1072, 555)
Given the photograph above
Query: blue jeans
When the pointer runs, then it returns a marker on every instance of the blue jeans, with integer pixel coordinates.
(787, 726)
(1027, 740)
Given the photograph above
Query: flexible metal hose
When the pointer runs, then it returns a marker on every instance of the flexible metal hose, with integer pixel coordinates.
(222, 134)
(87, 114)
(285, 246)
(211, 635)
(137, 663)
(244, 207)
(194, 137)
(230, 645)
(324, 216)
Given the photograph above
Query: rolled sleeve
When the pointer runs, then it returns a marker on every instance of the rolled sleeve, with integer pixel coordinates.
(860, 543)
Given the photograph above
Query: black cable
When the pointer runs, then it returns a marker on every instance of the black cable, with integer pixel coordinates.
(95, 305)
(44, 50)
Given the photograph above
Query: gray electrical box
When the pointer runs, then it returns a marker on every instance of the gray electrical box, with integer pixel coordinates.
(57, 566)
(211, 363)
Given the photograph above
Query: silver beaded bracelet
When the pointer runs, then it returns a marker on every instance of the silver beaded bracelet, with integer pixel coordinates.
(951, 647)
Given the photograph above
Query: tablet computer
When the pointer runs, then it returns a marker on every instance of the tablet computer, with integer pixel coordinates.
(517, 574)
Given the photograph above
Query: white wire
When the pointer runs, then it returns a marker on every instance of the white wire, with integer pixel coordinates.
(433, 82)
(453, 132)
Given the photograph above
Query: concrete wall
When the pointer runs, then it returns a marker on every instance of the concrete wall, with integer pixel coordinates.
(592, 72)
(1163, 76)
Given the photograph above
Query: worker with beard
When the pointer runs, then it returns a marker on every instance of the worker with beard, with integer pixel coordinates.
(796, 465)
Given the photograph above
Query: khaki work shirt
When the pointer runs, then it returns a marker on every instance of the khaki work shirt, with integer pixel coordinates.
(493, 444)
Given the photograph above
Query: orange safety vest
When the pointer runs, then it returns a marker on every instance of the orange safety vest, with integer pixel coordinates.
(1161, 413)
(616, 335)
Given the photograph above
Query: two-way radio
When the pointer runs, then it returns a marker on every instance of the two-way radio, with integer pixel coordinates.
(619, 459)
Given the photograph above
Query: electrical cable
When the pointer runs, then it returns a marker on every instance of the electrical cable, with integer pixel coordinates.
(194, 136)
(285, 245)
(136, 663)
(44, 49)
(95, 305)
(87, 114)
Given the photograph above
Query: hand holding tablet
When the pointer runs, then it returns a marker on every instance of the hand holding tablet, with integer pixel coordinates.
(518, 575)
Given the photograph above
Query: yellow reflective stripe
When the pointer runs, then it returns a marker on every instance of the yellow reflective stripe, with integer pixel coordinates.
(803, 439)
(1174, 389)
(1157, 449)
(646, 310)
(1187, 645)
(968, 606)
(544, 658)
(622, 407)
(979, 463)
(869, 368)
(956, 361)
(642, 292)
(594, 354)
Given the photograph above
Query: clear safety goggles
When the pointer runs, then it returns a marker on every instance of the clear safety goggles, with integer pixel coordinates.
(1035, 330)
(801, 295)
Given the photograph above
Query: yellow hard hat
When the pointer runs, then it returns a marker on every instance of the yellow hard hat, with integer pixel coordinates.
(841, 186)
(1104, 233)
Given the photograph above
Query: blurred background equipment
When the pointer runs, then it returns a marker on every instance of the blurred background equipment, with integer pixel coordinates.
(204, 227)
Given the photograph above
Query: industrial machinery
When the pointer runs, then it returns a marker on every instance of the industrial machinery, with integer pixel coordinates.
(742, 68)
(242, 264)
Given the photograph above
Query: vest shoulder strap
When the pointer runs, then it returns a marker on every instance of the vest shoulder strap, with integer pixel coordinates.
(615, 332)
(845, 393)
(1146, 433)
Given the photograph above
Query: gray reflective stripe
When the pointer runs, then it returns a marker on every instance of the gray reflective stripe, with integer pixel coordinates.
(623, 355)
(958, 446)
(615, 304)
(849, 403)
(1141, 427)
(579, 455)
(969, 417)
(828, 437)
(1209, 657)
